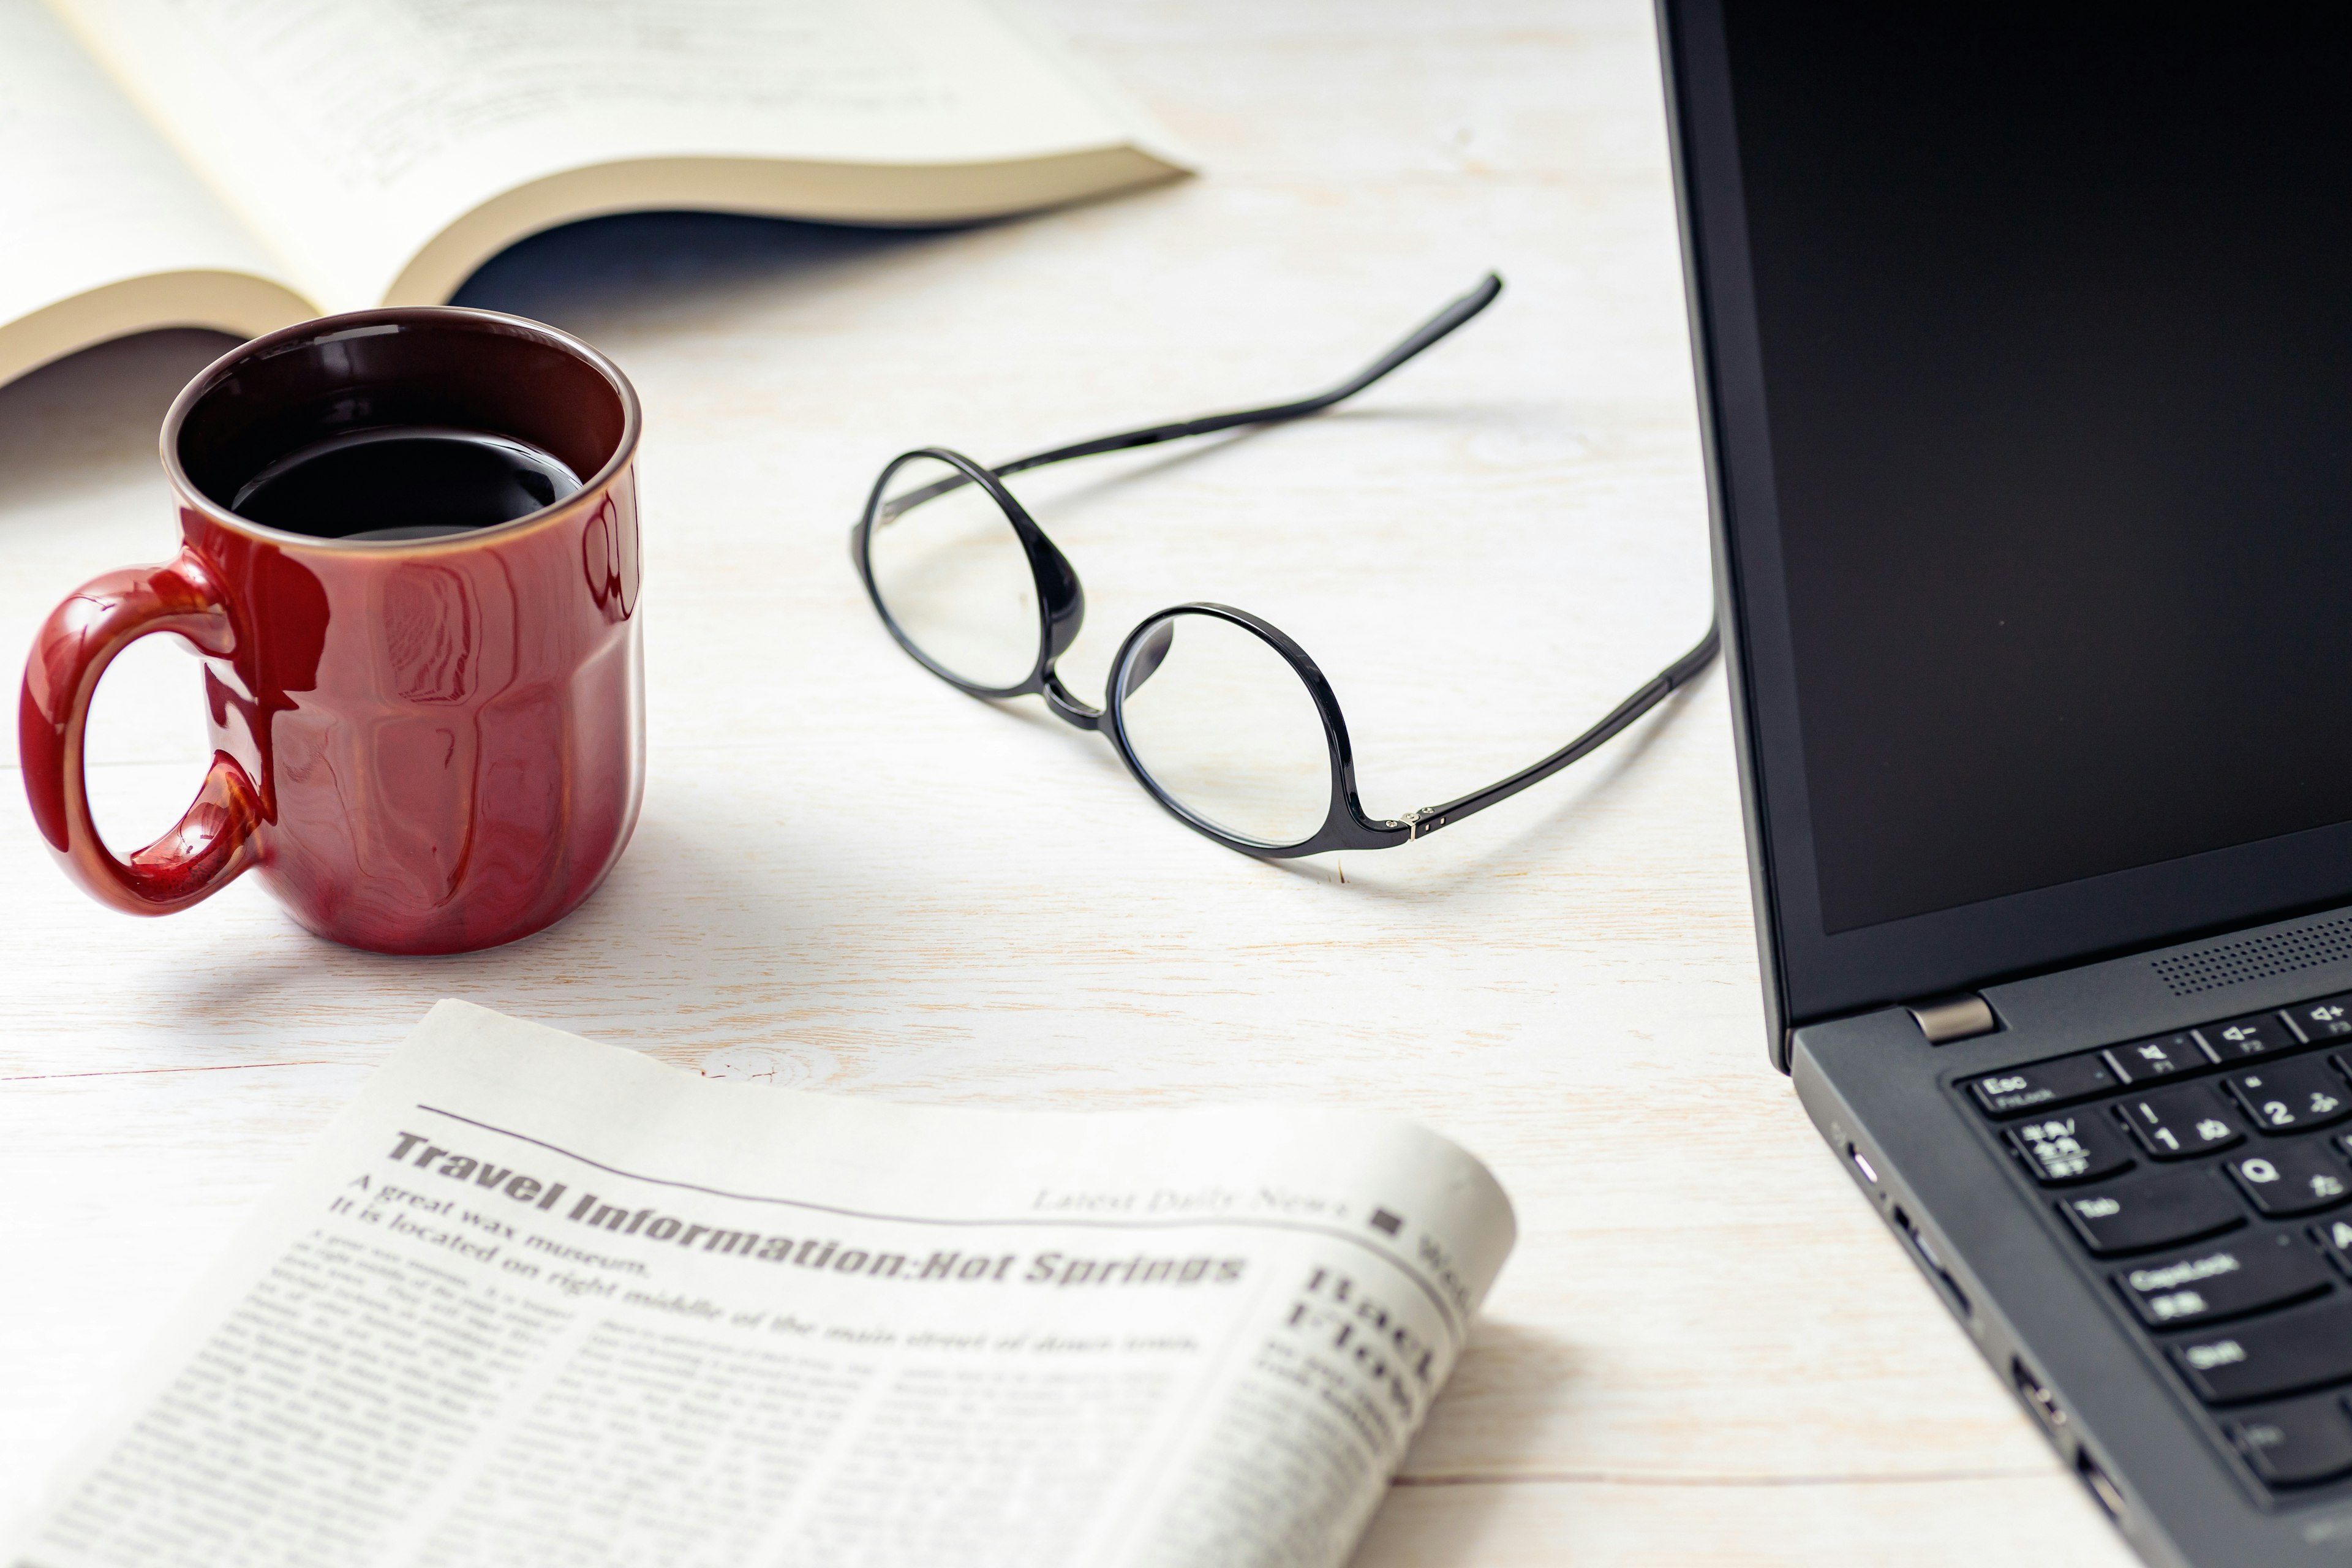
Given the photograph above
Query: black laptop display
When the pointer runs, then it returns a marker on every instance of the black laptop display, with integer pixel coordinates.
(2025, 347)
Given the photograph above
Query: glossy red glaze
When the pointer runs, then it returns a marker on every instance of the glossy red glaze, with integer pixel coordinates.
(426, 746)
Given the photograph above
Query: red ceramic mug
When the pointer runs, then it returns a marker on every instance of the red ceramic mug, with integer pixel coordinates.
(423, 744)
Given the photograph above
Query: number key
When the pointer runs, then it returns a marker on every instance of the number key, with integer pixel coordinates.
(2173, 1123)
(2291, 1096)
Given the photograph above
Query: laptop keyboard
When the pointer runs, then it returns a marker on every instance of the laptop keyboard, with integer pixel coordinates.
(2208, 1176)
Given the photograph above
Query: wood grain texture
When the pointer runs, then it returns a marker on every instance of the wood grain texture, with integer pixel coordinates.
(850, 877)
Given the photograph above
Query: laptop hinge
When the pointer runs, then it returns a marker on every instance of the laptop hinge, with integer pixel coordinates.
(1954, 1017)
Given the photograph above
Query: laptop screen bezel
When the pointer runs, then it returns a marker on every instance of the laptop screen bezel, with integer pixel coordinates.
(1809, 973)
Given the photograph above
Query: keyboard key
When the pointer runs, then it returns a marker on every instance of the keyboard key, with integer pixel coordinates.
(2324, 1020)
(2045, 1084)
(2287, 1097)
(2073, 1147)
(2295, 1445)
(2306, 1347)
(2173, 1123)
(2152, 1211)
(2253, 1036)
(2334, 1239)
(2143, 1060)
(2291, 1178)
(2223, 1279)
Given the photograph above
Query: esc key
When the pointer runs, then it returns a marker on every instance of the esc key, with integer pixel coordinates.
(2059, 1082)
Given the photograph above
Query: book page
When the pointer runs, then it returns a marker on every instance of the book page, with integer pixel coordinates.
(543, 1303)
(352, 135)
(91, 198)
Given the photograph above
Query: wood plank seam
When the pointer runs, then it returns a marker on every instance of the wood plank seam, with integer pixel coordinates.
(146, 1072)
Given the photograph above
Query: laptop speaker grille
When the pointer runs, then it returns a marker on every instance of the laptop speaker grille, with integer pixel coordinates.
(2255, 958)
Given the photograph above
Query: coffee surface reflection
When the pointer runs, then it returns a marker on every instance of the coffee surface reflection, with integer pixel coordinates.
(404, 481)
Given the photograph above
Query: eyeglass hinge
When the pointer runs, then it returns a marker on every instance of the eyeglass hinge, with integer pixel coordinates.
(1421, 823)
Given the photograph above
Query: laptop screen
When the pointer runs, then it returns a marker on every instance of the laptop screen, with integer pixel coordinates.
(2055, 320)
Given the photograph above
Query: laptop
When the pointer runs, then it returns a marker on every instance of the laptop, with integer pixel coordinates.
(2024, 341)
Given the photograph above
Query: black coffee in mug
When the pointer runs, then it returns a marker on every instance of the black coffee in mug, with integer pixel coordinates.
(404, 481)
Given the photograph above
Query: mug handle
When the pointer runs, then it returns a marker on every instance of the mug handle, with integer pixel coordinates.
(215, 837)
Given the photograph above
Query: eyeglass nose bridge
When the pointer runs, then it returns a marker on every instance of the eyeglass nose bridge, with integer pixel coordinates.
(1061, 607)
(1065, 706)
(1061, 600)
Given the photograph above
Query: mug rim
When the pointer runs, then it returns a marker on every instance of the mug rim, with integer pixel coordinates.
(321, 328)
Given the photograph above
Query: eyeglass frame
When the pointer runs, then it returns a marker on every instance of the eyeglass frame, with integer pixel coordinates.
(1061, 610)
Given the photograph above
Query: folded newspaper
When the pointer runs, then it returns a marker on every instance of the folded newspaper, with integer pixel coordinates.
(538, 1302)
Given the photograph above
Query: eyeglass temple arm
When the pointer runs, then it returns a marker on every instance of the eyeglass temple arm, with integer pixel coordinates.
(1430, 818)
(1428, 332)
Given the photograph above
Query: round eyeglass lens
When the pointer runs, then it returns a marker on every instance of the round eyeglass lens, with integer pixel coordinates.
(1225, 729)
(951, 574)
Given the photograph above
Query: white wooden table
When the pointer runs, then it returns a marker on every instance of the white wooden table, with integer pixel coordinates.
(850, 877)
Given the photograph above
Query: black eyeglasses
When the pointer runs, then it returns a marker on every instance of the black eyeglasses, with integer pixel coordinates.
(1230, 724)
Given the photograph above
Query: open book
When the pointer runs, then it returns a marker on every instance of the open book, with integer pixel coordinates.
(536, 1302)
(245, 164)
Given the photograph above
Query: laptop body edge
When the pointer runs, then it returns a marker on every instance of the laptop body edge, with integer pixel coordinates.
(2191, 1467)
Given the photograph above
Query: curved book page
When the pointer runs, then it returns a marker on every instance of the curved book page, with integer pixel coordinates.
(387, 149)
(108, 231)
(532, 1300)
